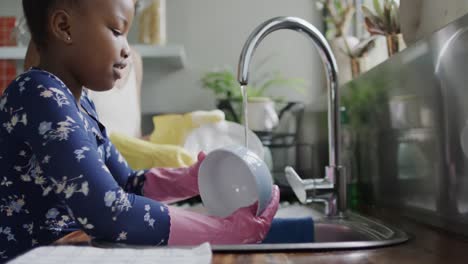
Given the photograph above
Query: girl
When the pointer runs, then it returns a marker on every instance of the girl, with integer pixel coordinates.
(58, 170)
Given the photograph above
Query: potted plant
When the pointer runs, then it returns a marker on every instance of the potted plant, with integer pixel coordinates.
(337, 15)
(348, 49)
(223, 83)
(385, 21)
(357, 52)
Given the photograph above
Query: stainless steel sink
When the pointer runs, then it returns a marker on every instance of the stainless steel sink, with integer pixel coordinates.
(351, 232)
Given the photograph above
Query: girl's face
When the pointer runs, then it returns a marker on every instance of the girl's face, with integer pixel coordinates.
(100, 50)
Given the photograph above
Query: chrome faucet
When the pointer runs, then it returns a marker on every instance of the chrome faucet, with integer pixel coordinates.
(334, 173)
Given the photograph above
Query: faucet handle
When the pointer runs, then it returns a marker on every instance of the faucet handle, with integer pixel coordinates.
(300, 186)
(296, 183)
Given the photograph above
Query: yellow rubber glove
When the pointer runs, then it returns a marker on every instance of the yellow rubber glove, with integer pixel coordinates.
(173, 129)
(141, 154)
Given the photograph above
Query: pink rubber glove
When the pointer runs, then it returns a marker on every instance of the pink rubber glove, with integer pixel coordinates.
(172, 184)
(190, 228)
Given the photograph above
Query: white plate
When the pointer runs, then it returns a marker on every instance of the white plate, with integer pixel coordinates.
(212, 136)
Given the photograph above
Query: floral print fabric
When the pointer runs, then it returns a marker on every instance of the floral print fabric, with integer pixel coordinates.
(59, 172)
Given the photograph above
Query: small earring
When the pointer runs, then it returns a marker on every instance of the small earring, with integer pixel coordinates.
(68, 38)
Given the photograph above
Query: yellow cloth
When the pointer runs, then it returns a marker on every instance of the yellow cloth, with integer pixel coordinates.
(141, 154)
(174, 128)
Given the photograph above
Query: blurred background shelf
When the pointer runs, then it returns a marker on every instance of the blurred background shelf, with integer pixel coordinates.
(12, 53)
(171, 55)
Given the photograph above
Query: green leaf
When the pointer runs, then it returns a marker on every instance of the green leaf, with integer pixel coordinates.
(373, 20)
(395, 14)
(338, 5)
(387, 17)
(377, 8)
(367, 12)
(224, 83)
(329, 20)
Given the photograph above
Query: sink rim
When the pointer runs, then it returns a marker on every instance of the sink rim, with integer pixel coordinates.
(315, 246)
(398, 237)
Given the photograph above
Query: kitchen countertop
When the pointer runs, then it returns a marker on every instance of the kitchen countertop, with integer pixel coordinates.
(427, 245)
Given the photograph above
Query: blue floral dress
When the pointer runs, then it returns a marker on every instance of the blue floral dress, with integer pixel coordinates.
(59, 172)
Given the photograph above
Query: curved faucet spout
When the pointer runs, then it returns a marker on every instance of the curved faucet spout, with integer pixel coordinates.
(334, 169)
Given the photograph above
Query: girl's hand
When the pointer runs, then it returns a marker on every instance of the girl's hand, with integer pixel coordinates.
(173, 184)
(243, 226)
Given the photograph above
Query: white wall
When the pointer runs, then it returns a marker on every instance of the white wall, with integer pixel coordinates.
(10, 8)
(213, 33)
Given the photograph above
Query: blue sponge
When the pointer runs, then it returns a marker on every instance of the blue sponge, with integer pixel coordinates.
(290, 230)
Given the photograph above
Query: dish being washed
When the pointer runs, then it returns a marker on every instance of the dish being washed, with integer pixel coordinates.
(233, 177)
